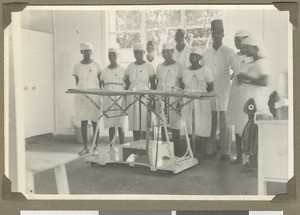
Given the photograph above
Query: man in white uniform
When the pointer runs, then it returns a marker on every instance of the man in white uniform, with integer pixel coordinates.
(182, 51)
(219, 59)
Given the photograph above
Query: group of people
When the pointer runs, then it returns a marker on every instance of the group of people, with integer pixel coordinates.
(234, 77)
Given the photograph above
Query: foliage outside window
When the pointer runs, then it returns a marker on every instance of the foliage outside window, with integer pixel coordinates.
(134, 26)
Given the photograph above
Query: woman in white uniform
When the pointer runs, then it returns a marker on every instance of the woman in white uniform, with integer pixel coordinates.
(169, 75)
(87, 74)
(198, 78)
(112, 78)
(139, 75)
(255, 83)
(236, 115)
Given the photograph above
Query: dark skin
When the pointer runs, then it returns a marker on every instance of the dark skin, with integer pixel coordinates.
(150, 51)
(86, 60)
(217, 36)
(139, 57)
(180, 41)
(246, 78)
(113, 58)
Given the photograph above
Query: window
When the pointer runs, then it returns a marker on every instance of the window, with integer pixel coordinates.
(132, 26)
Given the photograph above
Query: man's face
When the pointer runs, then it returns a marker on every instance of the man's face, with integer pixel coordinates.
(243, 49)
(167, 53)
(87, 53)
(217, 35)
(150, 48)
(179, 38)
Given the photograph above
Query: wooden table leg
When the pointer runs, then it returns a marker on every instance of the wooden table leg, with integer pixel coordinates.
(61, 179)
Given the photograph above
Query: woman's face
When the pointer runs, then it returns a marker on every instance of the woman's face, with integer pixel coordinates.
(195, 58)
(251, 50)
(167, 53)
(86, 53)
(113, 57)
(139, 55)
(238, 41)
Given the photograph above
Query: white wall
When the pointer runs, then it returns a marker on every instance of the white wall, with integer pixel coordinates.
(70, 29)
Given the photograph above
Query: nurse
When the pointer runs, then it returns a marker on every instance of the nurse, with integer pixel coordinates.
(198, 78)
(112, 78)
(219, 59)
(237, 100)
(169, 76)
(255, 81)
(87, 73)
(139, 75)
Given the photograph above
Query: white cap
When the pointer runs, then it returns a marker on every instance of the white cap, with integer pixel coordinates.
(196, 50)
(243, 33)
(114, 49)
(251, 41)
(168, 46)
(86, 46)
(139, 46)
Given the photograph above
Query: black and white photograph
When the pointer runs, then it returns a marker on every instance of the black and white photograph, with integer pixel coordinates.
(156, 102)
(237, 212)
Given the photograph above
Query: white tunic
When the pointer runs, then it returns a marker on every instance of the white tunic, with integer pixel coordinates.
(85, 109)
(237, 98)
(219, 62)
(139, 77)
(155, 62)
(168, 76)
(195, 81)
(113, 80)
(183, 57)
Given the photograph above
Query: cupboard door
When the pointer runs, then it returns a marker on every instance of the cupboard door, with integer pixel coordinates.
(38, 79)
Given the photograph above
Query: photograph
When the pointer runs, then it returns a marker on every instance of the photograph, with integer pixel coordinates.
(153, 102)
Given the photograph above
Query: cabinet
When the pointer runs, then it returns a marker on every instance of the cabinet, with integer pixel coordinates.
(38, 82)
(275, 153)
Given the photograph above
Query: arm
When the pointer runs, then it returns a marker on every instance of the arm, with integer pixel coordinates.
(210, 86)
(261, 80)
(152, 82)
(126, 82)
(76, 79)
(181, 84)
(101, 82)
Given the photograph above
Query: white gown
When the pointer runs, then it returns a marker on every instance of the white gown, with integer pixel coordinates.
(139, 77)
(195, 81)
(85, 108)
(113, 80)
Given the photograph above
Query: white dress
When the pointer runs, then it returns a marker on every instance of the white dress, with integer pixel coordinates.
(113, 80)
(260, 94)
(86, 108)
(237, 98)
(155, 62)
(219, 62)
(183, 57)
(168, 77)
(195, 81)
(139, 77)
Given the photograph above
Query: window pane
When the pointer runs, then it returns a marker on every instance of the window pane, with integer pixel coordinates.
(133, 20)
(120, 21)
(194, 17)
(126, 40)
(162, 19)
(128, 20)
(211, 15)
(161, 36)
(198, 37)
